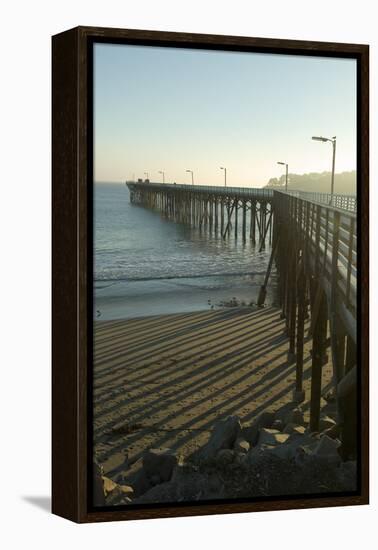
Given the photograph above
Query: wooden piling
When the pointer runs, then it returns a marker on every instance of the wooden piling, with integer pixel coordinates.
(236, 217)
(244, 221)
(318, 353)
(253, 222)
(222, 215)
(300, 328)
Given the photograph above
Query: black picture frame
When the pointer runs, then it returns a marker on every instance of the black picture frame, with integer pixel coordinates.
(72, 172)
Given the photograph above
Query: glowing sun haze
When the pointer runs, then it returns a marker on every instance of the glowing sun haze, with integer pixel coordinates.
(177, 109)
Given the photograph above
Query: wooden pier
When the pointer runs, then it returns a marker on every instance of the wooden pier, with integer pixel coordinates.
(224, 211)
(313, 239)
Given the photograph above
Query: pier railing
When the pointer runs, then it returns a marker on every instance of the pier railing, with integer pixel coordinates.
(318, 273)
(343, 202)
(242, 192)
(329, 237)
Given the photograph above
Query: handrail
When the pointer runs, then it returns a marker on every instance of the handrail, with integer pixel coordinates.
(346, 203)
(244, 191)
(331, 234)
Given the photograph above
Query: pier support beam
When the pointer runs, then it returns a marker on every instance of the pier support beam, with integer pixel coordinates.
(244, 221)
(299, 394)
(318, 353)
(252, 233)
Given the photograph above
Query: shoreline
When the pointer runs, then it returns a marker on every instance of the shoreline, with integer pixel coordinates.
(135, 299)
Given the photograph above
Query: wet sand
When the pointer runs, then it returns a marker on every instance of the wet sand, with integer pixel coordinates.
(165, 380)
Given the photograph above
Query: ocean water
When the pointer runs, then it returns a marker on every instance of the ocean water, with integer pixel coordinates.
(147, 265)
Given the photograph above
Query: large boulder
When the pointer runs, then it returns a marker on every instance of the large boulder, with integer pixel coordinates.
(241, 445)
(295, 416)
(159, 464)
(333, 432)
(136, 477)
(321, 451)
(293, 446)
(115, 493)
(269, 436)
(251, 432)
(294, 429)
(192, 486)
(258, 452)
(225, 457)
(327, 448)
(325, 423)
(278, 424)
(347, 475)
(223, 436)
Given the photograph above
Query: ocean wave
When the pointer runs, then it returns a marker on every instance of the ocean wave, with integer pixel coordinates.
(177, 276)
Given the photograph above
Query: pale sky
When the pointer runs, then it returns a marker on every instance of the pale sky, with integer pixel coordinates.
(176, 109)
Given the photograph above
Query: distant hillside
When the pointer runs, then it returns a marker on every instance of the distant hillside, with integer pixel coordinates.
(345, 182)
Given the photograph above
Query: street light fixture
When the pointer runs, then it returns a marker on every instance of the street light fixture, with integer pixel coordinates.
(146, 174)
(333, 141)
(225, 175)
(287, 173)
(191, 172)
(163, 173)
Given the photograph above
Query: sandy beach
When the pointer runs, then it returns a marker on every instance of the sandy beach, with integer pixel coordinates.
(165, 380)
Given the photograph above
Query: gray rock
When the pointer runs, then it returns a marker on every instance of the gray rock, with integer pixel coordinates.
(241, 459)
(258, 452)
(159, 462)
(192, 487)
(304, 454)
(326, 422)
(223, 436)
(215, 483)
(295, 429)
(241, 445)
(347, 475)
(295, 416)
(294, 445)
(269, 436)
(224, 457)
(139, 482)
(136, 477)
(278, 425)
(178, 472)
(155, 479)
(251, 432)
(322, 451)
(333, 432)
(284, 452)
(164, 492)
(115, 493)
(330, 396)
(327, 447)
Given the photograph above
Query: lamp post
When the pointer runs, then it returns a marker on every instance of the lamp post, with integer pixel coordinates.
(191, 172)
(287, 173)
(225, 175)
(163, 174)
(146, 174)
(333, 141)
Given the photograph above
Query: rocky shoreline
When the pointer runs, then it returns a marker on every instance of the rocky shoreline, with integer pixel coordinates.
(275, 455)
